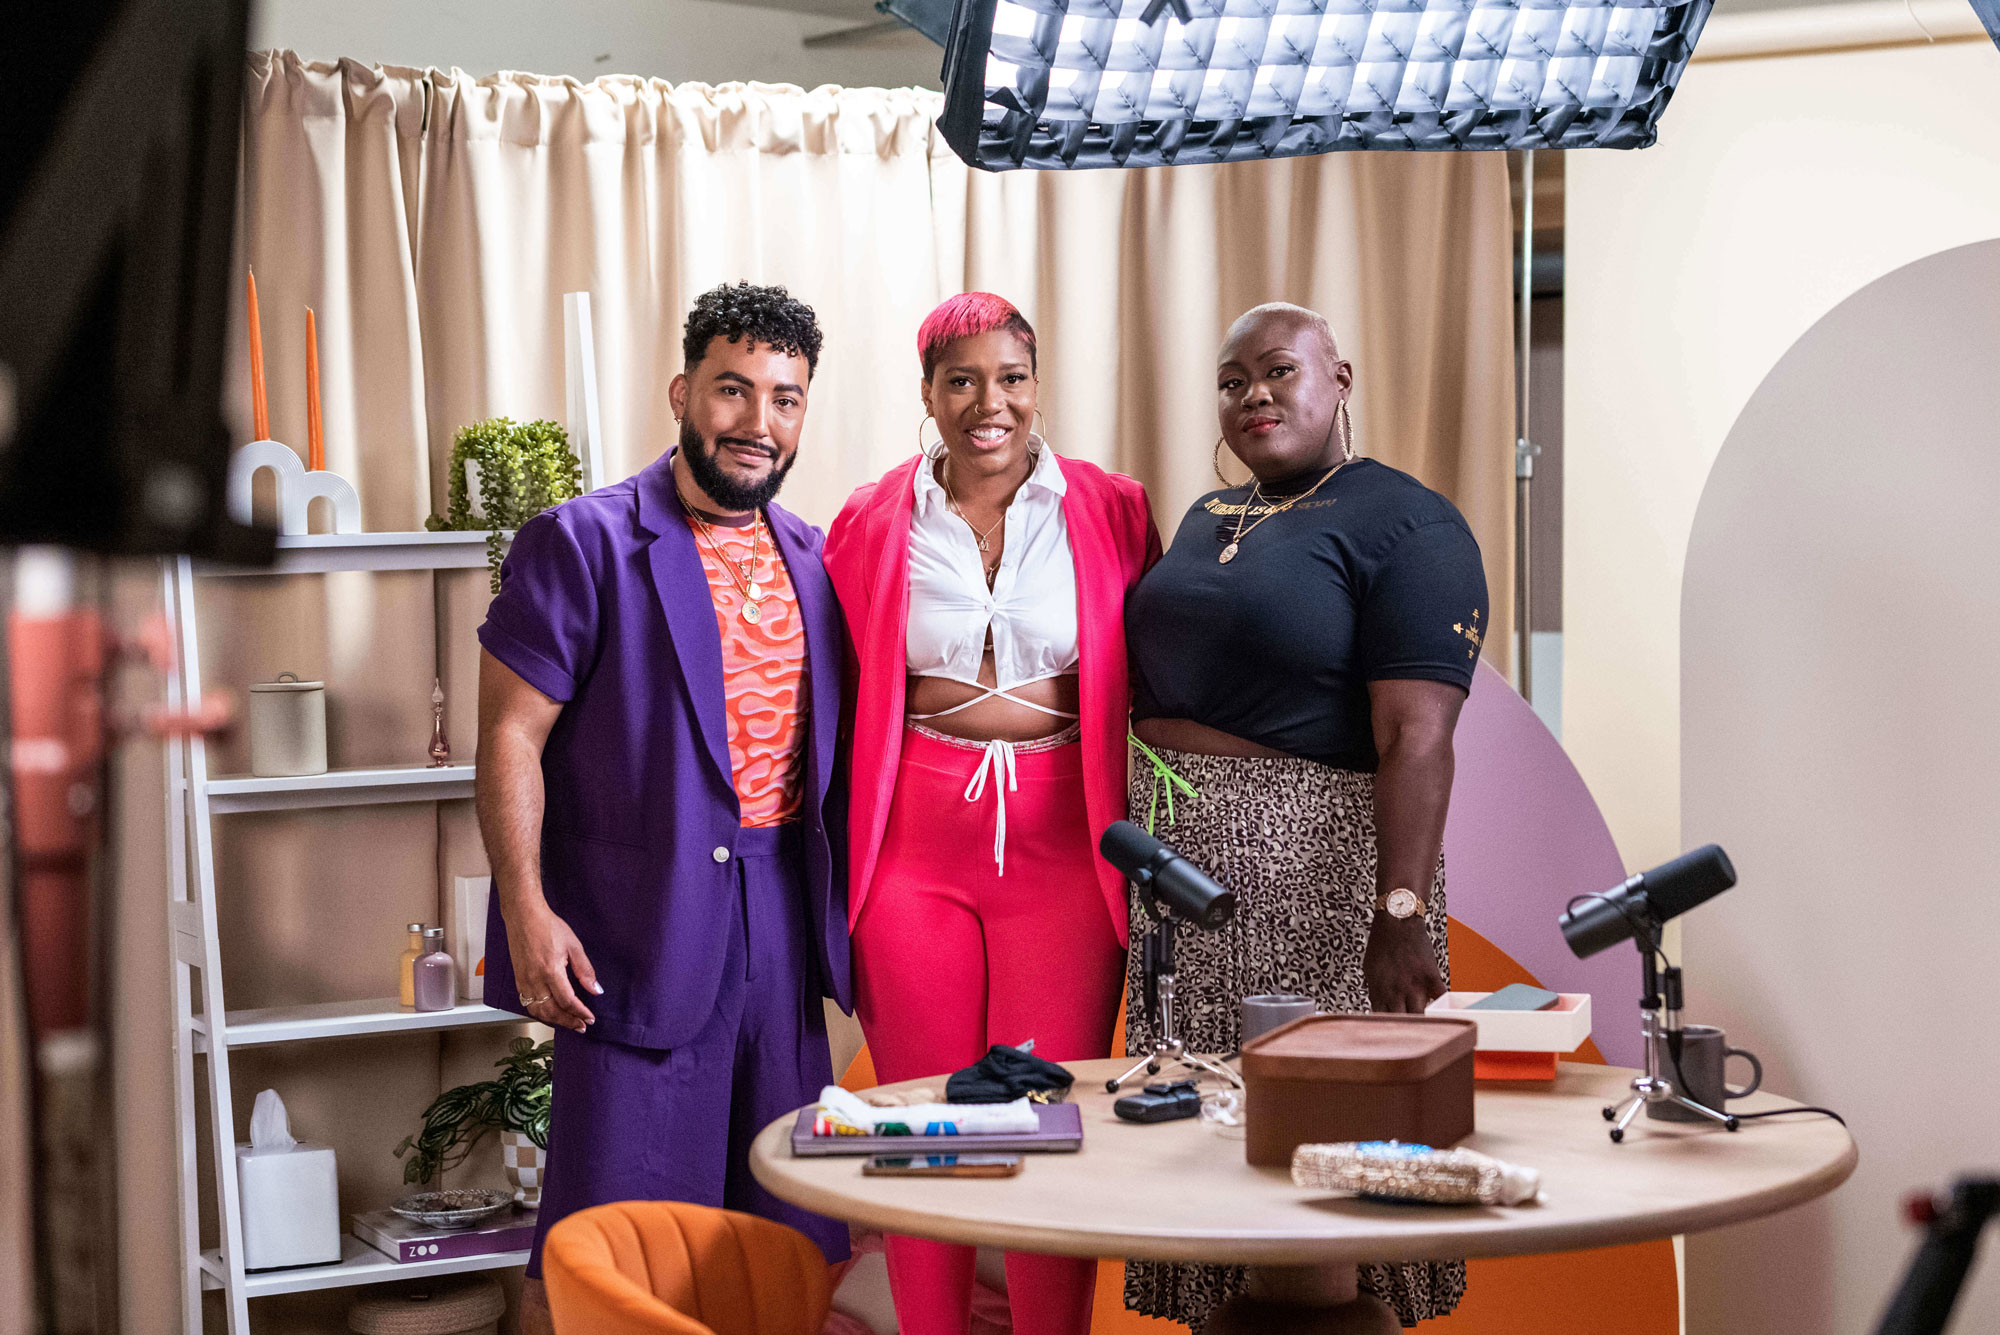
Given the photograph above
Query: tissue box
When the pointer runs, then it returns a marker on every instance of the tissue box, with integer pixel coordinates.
(291, 1206)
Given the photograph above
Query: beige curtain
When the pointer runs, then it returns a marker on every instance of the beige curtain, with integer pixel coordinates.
(434, 221)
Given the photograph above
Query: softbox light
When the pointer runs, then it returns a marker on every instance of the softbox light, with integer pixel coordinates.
(1060, 84)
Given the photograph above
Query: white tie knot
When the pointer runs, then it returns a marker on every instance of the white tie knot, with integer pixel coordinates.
(998, 760)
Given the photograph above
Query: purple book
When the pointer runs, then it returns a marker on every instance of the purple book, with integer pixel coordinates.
(1061, 1132)
(406, 1240)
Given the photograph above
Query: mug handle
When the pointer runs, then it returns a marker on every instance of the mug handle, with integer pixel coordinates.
(1756, 1073)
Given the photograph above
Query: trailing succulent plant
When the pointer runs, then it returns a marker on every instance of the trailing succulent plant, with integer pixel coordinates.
(524, 468)
(518, 1100)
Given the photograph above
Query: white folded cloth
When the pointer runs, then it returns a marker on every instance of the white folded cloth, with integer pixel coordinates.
(842, 1114)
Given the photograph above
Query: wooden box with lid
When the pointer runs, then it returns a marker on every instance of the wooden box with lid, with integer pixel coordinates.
(1328, 1078)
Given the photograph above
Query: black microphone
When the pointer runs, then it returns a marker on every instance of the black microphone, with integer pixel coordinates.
(1667, 891)
(1171, 880)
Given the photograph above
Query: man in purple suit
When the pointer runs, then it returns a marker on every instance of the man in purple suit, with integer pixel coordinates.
(659, 695)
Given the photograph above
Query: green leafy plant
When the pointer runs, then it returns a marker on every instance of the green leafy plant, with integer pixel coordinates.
(524, 468)
(459, 1118)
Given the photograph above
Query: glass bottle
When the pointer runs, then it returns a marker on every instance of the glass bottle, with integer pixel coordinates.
(440, 747)
(406, 983)
(436, 976)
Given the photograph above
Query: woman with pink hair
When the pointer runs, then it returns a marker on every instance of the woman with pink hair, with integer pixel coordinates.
(984, 585)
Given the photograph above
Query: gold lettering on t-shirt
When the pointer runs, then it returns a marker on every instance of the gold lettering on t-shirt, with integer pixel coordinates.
(1470, 632)
(1216, 506)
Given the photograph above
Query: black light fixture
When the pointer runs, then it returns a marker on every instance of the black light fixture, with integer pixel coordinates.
(932, 18)
(1061, 84)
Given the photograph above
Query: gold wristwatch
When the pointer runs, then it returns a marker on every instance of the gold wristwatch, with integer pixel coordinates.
(1401, 904)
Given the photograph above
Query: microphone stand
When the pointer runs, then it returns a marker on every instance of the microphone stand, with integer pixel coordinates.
(1660, 1019)
(1157, 956)
(1923, 1302)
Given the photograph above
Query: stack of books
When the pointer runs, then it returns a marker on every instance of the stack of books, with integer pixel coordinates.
(406, 1240)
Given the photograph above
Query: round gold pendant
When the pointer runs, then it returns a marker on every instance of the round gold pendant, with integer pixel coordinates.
(756, 589)
(752, 613)
(1228, 554)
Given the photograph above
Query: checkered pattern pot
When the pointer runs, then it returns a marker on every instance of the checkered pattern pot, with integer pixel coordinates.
(525, 1162)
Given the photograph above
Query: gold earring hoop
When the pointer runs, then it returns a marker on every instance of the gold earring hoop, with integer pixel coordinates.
(1216, 462)
(1346, 433)
(1044, 432)
(923, 446)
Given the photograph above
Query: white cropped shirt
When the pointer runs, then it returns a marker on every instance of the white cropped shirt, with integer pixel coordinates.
(1031, 608)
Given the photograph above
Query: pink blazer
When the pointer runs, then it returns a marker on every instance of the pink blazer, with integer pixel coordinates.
(1114, 542)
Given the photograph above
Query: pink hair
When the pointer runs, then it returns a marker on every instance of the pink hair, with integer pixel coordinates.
(965, 315)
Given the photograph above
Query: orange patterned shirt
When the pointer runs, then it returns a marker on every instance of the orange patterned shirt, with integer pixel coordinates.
(763, 672)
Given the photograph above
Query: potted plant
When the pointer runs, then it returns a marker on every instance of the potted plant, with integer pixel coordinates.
(522, 469)
(516, 1104)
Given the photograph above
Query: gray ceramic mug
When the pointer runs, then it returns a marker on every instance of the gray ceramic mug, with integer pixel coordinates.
(1704, 1052)
(1267, 1010)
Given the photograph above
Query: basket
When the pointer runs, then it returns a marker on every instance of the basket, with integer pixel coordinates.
(446, 1305)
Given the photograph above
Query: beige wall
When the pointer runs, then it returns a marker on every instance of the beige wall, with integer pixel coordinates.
(1841, 617)
(1781, 184)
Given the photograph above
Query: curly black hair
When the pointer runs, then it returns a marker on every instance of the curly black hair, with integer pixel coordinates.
(767, 315)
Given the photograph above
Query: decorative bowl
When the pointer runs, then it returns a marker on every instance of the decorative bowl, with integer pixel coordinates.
(458, 1207)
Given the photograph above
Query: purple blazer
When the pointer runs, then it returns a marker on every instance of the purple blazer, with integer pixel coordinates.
(603, 605)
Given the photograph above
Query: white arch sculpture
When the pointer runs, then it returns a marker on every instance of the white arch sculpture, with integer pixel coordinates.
(297, 489)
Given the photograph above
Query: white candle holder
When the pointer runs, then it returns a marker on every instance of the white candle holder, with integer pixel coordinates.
(296, 489)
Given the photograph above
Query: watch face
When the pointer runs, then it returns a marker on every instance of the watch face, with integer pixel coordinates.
(1402, 903)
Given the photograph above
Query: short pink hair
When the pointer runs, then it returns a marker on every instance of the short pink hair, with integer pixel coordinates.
(965, 315)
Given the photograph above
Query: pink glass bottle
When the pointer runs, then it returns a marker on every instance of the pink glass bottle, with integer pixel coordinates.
(436, 977)
(440, 746)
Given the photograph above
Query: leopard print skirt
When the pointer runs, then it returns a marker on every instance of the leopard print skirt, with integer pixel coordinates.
(1296, 841)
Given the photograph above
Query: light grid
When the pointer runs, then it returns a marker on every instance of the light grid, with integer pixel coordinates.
(1084, 83)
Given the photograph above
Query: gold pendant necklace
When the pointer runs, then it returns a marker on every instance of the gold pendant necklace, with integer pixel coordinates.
(959, 510)
(740, 571)
(1235, 543)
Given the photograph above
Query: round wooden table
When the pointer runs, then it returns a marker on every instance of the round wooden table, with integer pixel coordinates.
(1181, 1191)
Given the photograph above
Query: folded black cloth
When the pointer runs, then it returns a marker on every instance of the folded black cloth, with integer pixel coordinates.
(1005, 1074)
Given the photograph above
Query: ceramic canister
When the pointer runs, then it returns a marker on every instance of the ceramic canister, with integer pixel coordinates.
(287, 727)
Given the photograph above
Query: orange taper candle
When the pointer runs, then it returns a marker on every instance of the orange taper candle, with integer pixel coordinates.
(315, 441)
(260, 407)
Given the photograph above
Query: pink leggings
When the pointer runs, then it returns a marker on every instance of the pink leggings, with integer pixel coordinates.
(951, 955)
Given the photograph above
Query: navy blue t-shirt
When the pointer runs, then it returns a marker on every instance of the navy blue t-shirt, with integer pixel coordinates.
(1375, 577)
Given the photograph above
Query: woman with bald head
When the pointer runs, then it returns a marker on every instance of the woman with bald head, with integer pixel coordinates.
(1300, 655)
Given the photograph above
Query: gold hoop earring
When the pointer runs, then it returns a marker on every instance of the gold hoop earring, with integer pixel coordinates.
(1346, 433)
(923, 446)
(1216, 462)
(1044, 432)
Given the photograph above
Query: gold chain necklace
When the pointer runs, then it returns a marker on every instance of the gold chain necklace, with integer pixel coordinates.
(991, 572)
(741, 571)
(1256, 492)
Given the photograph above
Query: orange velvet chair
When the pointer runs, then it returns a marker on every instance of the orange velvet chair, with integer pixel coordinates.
(670, 1268)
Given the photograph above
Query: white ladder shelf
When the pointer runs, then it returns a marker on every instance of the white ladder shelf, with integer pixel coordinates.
(194, 799)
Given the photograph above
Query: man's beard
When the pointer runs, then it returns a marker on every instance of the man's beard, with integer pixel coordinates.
(704, 463)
